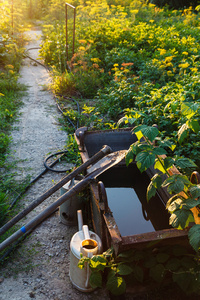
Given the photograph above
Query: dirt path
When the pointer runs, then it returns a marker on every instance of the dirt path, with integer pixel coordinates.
(39, 267)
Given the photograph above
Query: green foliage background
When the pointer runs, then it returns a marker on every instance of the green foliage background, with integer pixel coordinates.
(132, 59)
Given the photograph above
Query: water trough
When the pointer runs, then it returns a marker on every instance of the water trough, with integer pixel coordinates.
(121, 216)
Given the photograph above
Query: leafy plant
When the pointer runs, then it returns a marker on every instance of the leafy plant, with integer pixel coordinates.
(148, 151)
(140, 267)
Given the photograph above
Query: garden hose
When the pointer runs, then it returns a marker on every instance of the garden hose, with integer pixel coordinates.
(60, 95)
(47, 167)
(50, 168)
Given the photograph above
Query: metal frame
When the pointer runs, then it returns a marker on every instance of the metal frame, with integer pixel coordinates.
(66, 10)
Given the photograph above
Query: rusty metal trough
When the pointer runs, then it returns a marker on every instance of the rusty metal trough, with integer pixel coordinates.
(104, 221)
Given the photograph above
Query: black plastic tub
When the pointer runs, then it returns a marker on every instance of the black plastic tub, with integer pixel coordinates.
(121, 215)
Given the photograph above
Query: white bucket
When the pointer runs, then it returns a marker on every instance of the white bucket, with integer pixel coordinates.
(88, 243)
(68, 210)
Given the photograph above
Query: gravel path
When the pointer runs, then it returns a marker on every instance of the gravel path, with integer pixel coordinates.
(39, 267)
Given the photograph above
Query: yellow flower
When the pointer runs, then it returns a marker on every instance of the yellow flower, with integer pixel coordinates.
(1, 95)
(184, 66)
(168, 59)
(9, 66)
(169, 73)
(169, 65)
(162, 51)
(115, 65)
(151, 21)
(185, 53)
(194, 70)
(82, 41)
(95, 60)
(81, 48)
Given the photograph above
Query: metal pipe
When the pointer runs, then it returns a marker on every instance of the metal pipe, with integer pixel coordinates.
(74, 32)
(66, 21)
(115, 158)
(39, 218)
(105, 150)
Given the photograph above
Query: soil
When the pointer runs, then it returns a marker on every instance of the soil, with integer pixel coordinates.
(39, 266)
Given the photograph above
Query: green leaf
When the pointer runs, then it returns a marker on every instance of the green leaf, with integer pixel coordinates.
(195, 191)
(157, 181)
(126, 254)
(194, 237)
(98, 262)
(168, 162)
(174, 105)
(176, 183)
(179, 250)
(145, 147)
(139, 135)
(116, 285)
(138, 273)
(129, 156)
(108, 252)
(145, 160)
(180, 218)
(191, 202)
(149, 132)
(159, 166)
(159, 151)
(150, 262)
(185, 280)
(188, 109)
(173, 198)
(122, 120)
(188, 262)
(96, 279)
(194, 125)
(162, 257)
(151, 191)
(138, 255)
(123, 269)
(182, 133)
(157, 272)
(175, 205)
(185, 163)
(173, 264)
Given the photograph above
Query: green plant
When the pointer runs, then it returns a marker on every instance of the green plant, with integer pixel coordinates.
(148, 266)
(148, 151)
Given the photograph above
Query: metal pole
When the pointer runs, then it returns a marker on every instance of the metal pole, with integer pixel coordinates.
(12, 21)
(105, 150)
(66, 17)
(66, 32)
(74, 32)
(110, 161)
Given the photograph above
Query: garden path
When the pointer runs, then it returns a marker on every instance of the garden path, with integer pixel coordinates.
(39, 267)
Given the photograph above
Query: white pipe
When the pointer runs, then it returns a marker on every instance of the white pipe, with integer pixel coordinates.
(86, 232)
(80, 219)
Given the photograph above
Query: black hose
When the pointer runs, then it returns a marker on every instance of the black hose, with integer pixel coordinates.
(50, 168)
(47, 167)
